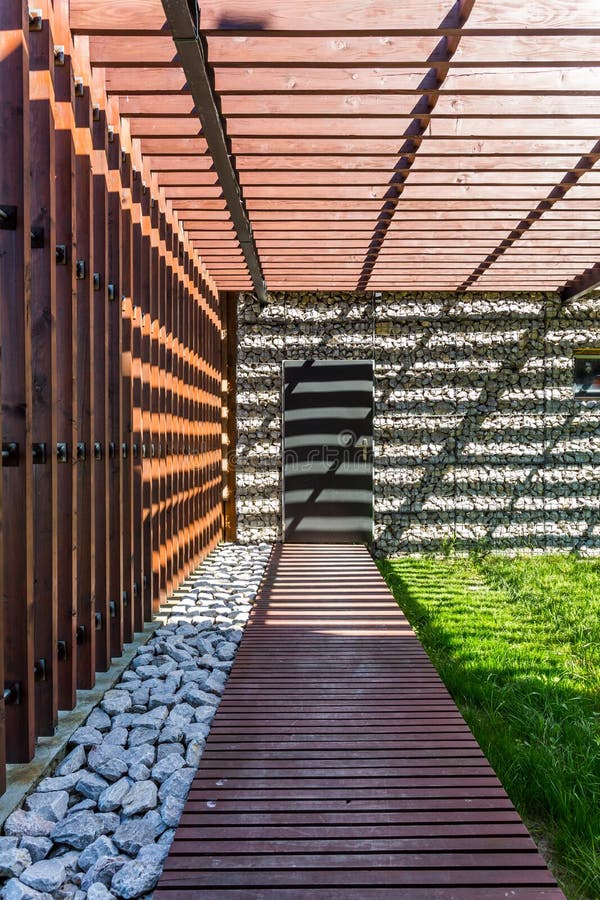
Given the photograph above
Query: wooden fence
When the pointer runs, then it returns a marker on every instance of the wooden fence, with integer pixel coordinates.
(111, 381)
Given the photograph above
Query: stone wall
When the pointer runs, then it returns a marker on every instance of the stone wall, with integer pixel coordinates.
(479, 441)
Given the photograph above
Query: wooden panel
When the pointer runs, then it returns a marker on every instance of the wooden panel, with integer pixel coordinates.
(15, 313)
(338, 760)
(126, 395)
(43, 369)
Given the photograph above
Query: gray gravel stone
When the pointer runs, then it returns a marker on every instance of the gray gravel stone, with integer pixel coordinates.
(110, 821)
(21, 822)
(115, 702)
(8, 843)
(116, 735)
(16, 890)
(72, 762)
(103, 871)
(142, 796)
(194, 751)
(91, 785)
(52, 805)
(45, 876)
(112, 797)
(77, 830)
(166, 766)
(144, 735)
(37, 847)
(139, 772)
(131, 836)
(165, 749)
(177, 785)
(86, 737)
(60, 783)
(108, 761)
(136, 878)
(98, 891)
(171, 810)
(98, 719)
(13, 862)
(102, 846)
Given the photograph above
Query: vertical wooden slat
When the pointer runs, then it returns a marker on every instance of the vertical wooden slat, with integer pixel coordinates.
(43, 362)
(169, 434)
(15, 312)
(83, 248)
(155, 437)
(144, 266)
(127, 411)
(136, 418)
(162, 364)
(99, 455)
(66, 353)
(115, 404)
(229, 307)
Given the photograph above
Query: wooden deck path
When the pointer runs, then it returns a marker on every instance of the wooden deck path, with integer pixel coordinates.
(338, 764)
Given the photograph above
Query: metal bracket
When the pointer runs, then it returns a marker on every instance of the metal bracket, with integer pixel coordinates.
(111, 291)
(80, 634)
(80, 269)
(112, 606)
(62, 453)
(81, 454)
(97, 281)
(37, 238)
(10, 454)
(125, 599)
(124, 450)
(59, 55)
(40, 670)
(97, 450)
(111, 450)
(96, 113)
(62, 651)
(36, 20)
(12, 693)
(62, 255)
(135, 590)
(8, 217)
(40, 456)
(135, 451)
(143, 451)
(98, 621)
(111, 134)
(79, 87)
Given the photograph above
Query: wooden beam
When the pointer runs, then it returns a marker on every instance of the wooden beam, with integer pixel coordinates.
(190, 49)
(583, 284)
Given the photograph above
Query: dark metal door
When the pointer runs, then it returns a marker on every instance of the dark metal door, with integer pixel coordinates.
(328, 451)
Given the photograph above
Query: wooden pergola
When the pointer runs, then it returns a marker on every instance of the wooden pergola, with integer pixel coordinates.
(421, 145)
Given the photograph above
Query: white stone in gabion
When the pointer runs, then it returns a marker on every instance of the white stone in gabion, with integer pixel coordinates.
(21, 822)
(13, 861)
(142, 796)
(46, 875)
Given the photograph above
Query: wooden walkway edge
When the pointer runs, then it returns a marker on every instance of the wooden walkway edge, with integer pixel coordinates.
(339, 765)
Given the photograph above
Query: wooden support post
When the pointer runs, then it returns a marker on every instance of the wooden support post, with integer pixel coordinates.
(136, 419)
(168, 406)
(66, 361)
(127, 411)
(155, 436)
(15, 313)
(99, 452)
(161, 387)
(228, 411)
(144, 266)
(115, 404)
(83, 248)
(43, 362)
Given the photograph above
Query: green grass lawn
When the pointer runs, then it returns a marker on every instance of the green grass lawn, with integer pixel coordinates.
(517, 642)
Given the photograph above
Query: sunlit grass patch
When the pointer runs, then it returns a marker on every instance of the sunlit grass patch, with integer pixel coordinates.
(517, 642)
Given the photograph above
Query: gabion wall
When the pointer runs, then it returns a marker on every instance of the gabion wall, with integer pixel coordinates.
(479, 441)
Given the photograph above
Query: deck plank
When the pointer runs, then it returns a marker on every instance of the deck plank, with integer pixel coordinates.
(338, 764)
